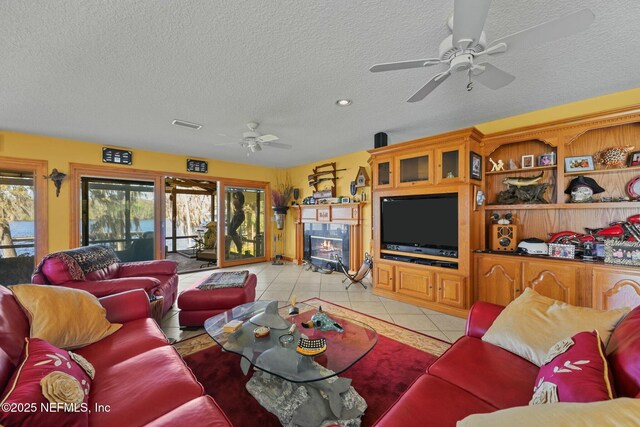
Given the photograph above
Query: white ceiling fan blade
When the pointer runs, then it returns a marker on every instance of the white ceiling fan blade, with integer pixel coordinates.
(546, 32)
(493, 77)
(403, 65)
(468, 21)
(430, 86)
(277, 145)
(267, 138)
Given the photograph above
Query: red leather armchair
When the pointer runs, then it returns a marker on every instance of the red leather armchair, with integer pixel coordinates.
(159, 278)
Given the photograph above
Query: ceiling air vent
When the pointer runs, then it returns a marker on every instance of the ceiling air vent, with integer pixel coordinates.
(186, 124)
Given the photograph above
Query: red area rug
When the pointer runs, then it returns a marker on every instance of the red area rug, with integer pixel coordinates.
(399, 357)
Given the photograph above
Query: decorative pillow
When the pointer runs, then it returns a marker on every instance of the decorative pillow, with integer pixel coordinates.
(67, 318)
(48, 388)
(532, 323)
(574, 370)
(610, 413)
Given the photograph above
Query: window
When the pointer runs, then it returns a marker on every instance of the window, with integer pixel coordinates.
(119, 214)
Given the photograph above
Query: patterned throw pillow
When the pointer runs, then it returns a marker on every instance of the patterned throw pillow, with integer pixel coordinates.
(50, 387)
(574, 370)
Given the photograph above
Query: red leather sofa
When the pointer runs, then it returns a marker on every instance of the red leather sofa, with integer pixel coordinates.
(477, 377)
(138, 374)
(159, 278)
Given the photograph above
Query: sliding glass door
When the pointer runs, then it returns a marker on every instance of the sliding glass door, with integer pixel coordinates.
(119, 214)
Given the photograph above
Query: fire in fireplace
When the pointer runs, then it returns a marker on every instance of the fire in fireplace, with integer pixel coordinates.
(324, 242)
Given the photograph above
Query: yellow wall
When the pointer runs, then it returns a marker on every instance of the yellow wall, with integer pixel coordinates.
(611, 101)
(60, 152)
(299, 178)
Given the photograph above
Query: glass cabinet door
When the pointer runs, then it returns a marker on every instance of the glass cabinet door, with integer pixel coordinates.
(382, 172)
(450, 167)
(244, 215)
(449, 164)
(414, 169)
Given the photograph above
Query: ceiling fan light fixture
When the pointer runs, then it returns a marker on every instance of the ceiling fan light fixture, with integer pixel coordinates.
(343, 102)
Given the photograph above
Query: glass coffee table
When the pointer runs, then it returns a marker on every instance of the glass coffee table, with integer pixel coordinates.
(281, 370)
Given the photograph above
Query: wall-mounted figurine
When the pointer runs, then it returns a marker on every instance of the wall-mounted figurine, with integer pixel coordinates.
(57, 178)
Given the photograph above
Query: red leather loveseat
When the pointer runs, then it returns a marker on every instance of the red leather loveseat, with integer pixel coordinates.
(138, 375)
(474, 376)
(108, 276)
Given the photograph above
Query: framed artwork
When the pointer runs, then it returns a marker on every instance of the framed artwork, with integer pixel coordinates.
(475, 171)
(562, 251)
(633, 159)
(547, 159)
(622, 252)
(578, 164)
(528, 161)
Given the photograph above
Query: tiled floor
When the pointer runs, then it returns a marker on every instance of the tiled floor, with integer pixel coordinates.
(280, 282)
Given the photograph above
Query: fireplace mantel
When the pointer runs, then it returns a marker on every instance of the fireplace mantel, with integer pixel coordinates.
(342, 213)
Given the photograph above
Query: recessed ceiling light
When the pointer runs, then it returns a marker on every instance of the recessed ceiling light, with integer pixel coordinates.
(343, 102)
(186, 124)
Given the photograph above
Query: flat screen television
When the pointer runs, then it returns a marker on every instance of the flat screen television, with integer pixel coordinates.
(425, 221)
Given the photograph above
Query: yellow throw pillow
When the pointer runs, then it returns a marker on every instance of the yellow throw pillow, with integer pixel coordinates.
(614, 413)
(532, 324)
(67, 318)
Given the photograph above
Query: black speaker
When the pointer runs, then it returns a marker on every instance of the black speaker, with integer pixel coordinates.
(380, 140)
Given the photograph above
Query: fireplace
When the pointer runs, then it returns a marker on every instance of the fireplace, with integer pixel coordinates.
(324, 231)
(323, 243)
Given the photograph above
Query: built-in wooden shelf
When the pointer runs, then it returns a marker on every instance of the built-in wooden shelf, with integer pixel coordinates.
(508, 171)
(551, 206)
(603, 171)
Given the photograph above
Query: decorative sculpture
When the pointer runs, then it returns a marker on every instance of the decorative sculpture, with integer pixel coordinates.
(323, 322)
(496, 166)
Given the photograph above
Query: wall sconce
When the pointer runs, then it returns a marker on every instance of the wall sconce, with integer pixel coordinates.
(57, 178)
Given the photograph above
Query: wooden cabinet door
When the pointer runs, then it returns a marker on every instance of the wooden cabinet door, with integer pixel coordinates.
(414, 282)
(554, 279)
(451, 290)
(450, 165)
(382, 170)
(498, 279)
(414, 169)
(383, 276)
(615, 289)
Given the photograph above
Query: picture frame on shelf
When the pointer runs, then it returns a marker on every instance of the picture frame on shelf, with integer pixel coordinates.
(547, 159)
(633, 159)
(345, 200)
(475, 166)
(528, 161)
(578, 164)
(622, 252)
(562, 251)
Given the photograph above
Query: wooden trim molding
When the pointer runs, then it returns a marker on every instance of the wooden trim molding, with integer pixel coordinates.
(41, 215)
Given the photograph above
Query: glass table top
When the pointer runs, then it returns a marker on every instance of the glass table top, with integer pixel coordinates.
(273, 355)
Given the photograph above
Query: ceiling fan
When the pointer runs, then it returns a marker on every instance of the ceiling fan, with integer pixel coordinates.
(254, 142)
(467, 43)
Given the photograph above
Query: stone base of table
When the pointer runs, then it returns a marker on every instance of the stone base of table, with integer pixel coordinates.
(320, 403)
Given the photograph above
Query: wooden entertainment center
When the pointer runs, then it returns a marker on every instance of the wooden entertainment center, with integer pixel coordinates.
(441, 164)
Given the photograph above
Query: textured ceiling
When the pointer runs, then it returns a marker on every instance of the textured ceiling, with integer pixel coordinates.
(118, 72)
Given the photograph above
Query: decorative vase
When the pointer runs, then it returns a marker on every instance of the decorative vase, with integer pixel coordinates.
(280, 209)
(279, 218)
